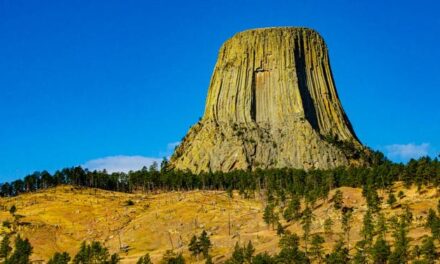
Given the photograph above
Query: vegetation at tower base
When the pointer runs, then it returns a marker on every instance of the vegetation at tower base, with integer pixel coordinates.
(311, 184)
(272, 103)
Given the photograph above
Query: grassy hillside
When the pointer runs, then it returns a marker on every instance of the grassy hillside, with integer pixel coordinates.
(59, 219)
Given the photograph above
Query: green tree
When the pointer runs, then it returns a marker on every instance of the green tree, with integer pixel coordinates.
(194, 246)
(145, 259)
(249, 252)
(416, 253)
(170, 257)
(360, 256)
(367, 230)
(269, 215)
(391, 199)
(5, 248)
(280, 229)
(372, 197)
(306, 224)
(13, 210)
(433, 223)
(428, 251)
(205, 243)
(328, 225)
(22, 252)
(380, 251)
(339, 255)
(59, 258)
(230, 192)
(408, 215)
(290, 252)
(400, 253)
(208, 260)
(337, 200)
(381, 225)
(292, 212)
(237, 255)
(346, 225)
(94, 252)
(316, 248)
(114, 259)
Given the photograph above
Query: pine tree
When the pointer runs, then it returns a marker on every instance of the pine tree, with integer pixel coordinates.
(208, 260)
(361, 253)
(269, 214)
(400, 253)
(339, 255)
(249, 252)
(433, 223)
(391, 199)
(328, 225)
(114, 259)
(83, 254)
(5, 248)
(368, 228)
(292, 211)
(13, 210)
(237, 255)
(306, 223)
(194, 246)
(290, 252)
(438, 203)
(22, 252)
(337, 200)
(408, 215)
(380, 251)
(316, 248)
(172, 258)
(145, 259)
(205, 243)
(372, 197)
(346, 225)
(59, 258)
(280, 229)
(381, 225)
(94, 252)
(263, 258)
(428, 251)
(416, 253)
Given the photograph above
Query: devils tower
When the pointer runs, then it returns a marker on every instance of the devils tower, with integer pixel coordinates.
(272, 103)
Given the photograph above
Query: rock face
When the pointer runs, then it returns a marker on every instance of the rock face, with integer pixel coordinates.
(272, 102)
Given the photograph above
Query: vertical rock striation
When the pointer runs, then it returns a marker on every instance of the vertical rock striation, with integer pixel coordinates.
(272, 102)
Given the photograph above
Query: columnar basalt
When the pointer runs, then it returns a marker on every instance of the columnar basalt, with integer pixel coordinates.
(272, 102)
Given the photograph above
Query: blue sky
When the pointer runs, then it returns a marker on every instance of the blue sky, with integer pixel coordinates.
(100, 83)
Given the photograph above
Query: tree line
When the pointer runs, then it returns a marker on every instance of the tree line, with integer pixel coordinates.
(311, 184)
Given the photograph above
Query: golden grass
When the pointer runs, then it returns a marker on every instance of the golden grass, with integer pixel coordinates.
(59, 219)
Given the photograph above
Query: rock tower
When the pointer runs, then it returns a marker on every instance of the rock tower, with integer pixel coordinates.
(272, 103)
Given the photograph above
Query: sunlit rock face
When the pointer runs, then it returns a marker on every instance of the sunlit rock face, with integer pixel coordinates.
(272, 103)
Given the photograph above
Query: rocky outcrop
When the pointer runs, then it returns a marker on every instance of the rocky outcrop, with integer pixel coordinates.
(272, 102)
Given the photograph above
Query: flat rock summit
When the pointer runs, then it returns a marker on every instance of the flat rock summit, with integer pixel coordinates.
(272, 103)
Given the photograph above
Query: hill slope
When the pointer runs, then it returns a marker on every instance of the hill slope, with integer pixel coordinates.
(59, 219)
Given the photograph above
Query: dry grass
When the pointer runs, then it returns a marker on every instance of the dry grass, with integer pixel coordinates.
(59, 219)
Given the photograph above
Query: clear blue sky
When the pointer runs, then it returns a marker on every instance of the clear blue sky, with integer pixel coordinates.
(86, 80)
